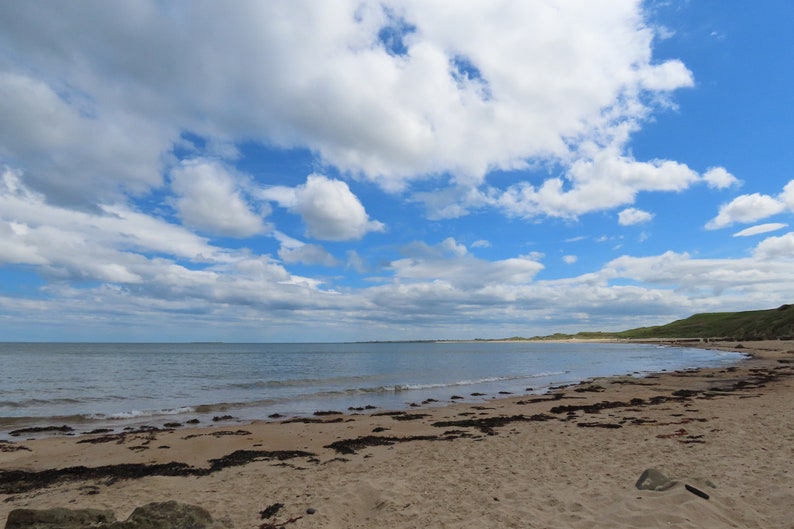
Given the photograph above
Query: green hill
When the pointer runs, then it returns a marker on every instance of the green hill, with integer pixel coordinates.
(768, 324)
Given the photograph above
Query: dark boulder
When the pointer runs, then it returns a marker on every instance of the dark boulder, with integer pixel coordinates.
(166, 515)
(58, 518)
(170, 515)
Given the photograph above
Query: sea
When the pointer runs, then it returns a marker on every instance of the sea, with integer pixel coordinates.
(90, 386)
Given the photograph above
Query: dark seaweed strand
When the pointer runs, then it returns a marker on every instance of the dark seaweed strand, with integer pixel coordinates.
(19, 481)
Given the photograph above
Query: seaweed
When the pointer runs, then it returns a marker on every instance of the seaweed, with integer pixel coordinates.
(350, 446)
(487, 424)
(19, 481)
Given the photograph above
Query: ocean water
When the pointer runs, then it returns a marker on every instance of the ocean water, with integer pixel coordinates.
(95, 385)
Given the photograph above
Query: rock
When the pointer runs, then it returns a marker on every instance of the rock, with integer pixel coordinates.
(170, 515)
(652, 479)
(58, 518)
(166, 515)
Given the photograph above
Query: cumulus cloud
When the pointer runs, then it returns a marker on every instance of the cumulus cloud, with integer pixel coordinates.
(631, 216)
(431, 288)
(660, 288)
(329, 209)
(450, 262)
(719, 178)
(435, 97)
(413, 96)
(757, 279)
(787, 196)
(753, 207)
(569, 259)
(776, 247)
(138, 254)
(209, 198)
(39, 226)
(603, 181)
(72, 154)
(746, 208)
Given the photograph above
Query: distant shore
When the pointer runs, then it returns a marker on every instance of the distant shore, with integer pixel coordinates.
(569, 458)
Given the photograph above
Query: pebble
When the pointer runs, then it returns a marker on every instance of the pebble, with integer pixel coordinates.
(310, 511)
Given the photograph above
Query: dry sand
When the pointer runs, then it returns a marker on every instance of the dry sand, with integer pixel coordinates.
(519, 461)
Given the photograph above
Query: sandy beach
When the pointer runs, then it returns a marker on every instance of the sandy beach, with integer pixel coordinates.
(569, 458)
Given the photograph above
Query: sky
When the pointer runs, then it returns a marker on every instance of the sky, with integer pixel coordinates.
(300, 171)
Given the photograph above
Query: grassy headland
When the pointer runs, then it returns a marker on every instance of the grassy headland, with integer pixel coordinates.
(771, 324)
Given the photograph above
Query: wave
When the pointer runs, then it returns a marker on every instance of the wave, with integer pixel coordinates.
(138, 414)
(309, 382)
(366, 390)
(30, 403)
(456, 383)
(13, 422)
(296, 382)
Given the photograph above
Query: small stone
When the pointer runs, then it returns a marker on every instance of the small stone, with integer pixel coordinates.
(310, 511)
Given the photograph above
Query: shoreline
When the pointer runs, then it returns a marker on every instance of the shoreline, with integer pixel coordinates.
(569, 457)
(401, 392)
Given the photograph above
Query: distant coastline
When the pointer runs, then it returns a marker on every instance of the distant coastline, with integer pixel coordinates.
(754, 325)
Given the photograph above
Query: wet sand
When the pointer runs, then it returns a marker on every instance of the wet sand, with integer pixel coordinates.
(570, 458)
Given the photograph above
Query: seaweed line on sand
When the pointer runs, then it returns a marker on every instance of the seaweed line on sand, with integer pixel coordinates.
(20, 481)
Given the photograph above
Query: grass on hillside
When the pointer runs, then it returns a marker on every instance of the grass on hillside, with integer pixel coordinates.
(768, 324)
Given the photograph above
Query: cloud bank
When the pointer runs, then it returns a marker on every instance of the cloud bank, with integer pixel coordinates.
(128, 179)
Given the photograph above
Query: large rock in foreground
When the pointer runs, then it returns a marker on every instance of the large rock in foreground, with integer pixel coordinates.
(167, 515)
(58, 518)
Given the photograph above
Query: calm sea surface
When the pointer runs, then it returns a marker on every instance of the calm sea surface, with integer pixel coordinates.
(91, 385)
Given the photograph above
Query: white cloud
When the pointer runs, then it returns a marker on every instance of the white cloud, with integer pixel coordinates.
(286, 197)
(719, 178)
(627, 292)
(151, 261)
(759, 280)
(308, 254)
(153, 271)
(550, 92)
(604, 181)
(777, 248)
(631, 216)
(753, 207)
(43, 228)
(478, 86)
(787, 196)
(746, 208)
(449, 262)
(210, 199)
(570, 259)
(667, 76)
(331, 211)
(760, 229)
(481, 243)
(73, 154)
(286, 241)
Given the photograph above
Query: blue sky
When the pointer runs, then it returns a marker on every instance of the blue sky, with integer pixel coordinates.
(346, 170)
